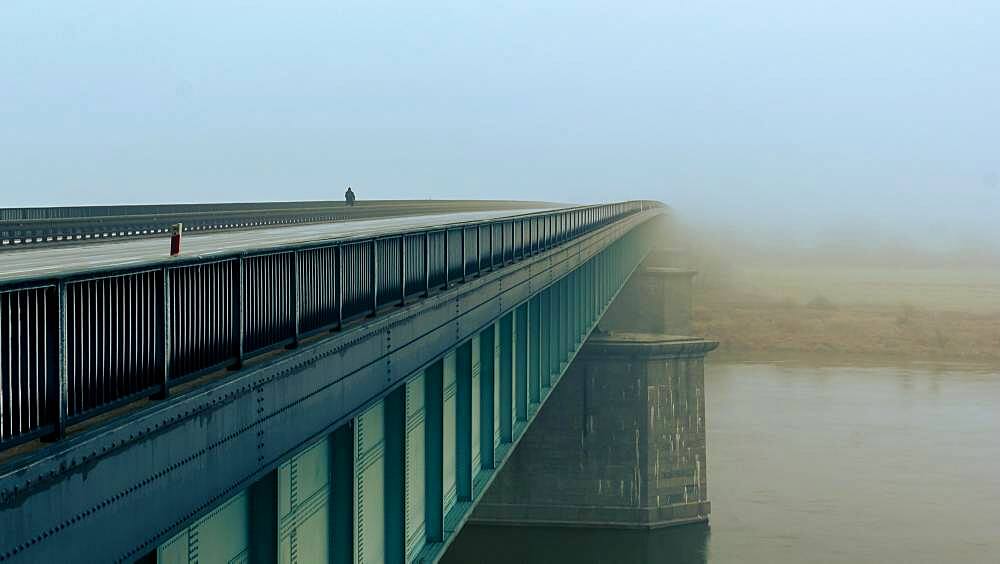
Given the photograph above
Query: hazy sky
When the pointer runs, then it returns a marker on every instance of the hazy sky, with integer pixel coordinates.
(816, 115)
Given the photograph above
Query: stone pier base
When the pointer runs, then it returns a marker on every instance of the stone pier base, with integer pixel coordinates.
(621, 442)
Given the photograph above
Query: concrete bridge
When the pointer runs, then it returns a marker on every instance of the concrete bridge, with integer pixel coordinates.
(347, 392)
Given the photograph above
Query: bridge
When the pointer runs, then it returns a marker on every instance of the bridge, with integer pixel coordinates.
(346, 389)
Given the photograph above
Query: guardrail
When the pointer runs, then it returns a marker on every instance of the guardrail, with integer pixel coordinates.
(82, 212)
(79, 345)
(31, 227)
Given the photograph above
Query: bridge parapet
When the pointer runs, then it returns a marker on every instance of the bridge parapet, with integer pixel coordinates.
(22, 228)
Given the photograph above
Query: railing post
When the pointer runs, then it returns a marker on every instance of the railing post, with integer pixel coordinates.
(523, 245)
(513, 240)
(479, 251)
(339, 285)
(60, 402)
(239, 313)
(165, 342)
(464, 261)
(514, 231)
(492, 238)
(447, 261)
(503, 245)
(427, 263)
(534, 236)
(296, 299)
(373, 268)
(402, 270)
(526, 239)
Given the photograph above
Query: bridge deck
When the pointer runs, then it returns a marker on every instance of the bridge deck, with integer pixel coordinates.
(51, 261)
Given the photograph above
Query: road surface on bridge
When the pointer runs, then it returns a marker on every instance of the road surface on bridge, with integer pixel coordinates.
(52, 261)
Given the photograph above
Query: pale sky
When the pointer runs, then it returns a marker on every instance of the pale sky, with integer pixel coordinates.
(814, 116)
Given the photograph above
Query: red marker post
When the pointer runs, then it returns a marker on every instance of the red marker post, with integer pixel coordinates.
(175, 238)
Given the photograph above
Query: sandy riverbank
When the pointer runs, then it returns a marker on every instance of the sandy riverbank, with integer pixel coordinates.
(751, 324)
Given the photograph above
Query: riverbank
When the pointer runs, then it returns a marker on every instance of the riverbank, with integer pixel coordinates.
(753, 325)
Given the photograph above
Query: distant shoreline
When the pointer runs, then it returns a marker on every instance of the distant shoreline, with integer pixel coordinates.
(755, 327)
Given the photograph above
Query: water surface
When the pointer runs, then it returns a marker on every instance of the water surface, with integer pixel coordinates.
(818, 464)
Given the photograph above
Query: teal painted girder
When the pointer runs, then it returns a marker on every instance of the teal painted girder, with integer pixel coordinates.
(397, 484)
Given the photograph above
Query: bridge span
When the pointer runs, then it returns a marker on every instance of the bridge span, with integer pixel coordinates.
(343, 392)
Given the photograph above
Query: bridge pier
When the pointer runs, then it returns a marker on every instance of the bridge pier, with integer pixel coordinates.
(621, 443)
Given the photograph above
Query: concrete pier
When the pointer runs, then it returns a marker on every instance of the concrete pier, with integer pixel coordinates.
(656, 299)
(621, 442)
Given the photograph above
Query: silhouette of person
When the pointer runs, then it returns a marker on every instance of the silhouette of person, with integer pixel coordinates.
(349, 196)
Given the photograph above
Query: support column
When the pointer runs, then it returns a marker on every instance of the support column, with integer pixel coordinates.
(395, 476)
(567, 320)
(621, 440)
(555, 330)
(486, 395)
(465, 424)
(434, 496)
(264, 520)
(620, 443)
(506, 378)
(415, 476)
(534, 347)
(342, 495)
(369, 485)
(544, 336)
(522, 358)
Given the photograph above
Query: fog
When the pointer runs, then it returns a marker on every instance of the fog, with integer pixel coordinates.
(823, 387)
(792, 122)
(847, 245)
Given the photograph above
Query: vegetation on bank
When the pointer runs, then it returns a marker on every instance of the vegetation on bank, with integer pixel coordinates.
(749, 324)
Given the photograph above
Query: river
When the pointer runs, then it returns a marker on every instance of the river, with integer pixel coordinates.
(817, 464)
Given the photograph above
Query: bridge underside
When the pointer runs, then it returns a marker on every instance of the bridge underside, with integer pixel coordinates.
(369, 445)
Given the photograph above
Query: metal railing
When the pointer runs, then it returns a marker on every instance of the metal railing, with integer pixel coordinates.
(32, 227)
(81, 344)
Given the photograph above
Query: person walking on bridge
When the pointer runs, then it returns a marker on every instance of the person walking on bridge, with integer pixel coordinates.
(349, 196)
